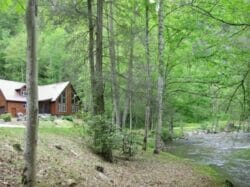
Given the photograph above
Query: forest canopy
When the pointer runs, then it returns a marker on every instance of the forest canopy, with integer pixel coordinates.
(205, 59)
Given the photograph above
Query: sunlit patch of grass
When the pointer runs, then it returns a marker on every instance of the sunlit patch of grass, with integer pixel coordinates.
(181, 128)
(47, 127)
(69, 130)
(210, 171)
(11, 132)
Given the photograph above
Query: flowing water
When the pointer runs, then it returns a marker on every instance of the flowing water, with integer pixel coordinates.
(230, 152)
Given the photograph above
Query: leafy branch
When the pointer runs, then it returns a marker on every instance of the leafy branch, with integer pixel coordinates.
(240, 85)
(209, 14)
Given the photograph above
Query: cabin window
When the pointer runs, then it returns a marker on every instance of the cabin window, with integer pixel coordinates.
(74, 103)
(62, 102)
(24, 93)
(63, 97)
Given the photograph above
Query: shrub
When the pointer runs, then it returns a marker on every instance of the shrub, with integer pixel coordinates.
(129, 144)
(204, 126)
(85, 116)
(103, 137)
(52, 118)
(106, 138)
(68, 118)
(166, 136)
(6, 117)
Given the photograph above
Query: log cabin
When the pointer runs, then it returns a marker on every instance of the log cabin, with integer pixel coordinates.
(55, 99)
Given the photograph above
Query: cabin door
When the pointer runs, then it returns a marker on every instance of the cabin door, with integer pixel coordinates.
(44, 107)
(13, 112)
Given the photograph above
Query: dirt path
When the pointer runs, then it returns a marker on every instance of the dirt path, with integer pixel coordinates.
(12, 124)
(4, 125)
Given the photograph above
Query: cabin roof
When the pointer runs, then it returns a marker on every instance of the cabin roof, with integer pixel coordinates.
(51, 91)
(45, 92)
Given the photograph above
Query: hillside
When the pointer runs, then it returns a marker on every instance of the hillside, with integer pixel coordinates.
(65, 160)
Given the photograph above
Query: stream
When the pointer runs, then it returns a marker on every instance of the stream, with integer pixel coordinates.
(228, 152)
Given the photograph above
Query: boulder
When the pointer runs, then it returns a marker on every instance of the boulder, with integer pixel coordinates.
(230, 127)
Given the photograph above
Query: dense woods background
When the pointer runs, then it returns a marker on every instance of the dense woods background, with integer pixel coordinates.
(205, 60)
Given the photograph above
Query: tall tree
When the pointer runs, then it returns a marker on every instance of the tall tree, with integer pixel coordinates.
(112, 54)
(29, 171)
(128, 99)
(91, 52)
(148, 82)
(99, 100)
(160, 76)
(247, 96)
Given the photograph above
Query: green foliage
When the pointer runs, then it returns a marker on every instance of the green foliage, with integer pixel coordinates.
(204, 126)
(85, 116)
(205, 58)
(66, 130)
(15, 57)
(166, 136)
(103, 137)
(68, 118)
(15, 6)
(52, 118)
(54, 66)
(106, 138)
(6, 117)
(130, 143)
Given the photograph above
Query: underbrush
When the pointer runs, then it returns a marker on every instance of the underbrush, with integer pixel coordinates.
(6, 117)
(106, 138)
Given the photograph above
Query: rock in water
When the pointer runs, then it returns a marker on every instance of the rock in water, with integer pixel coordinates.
(230, 127)
(229, 183)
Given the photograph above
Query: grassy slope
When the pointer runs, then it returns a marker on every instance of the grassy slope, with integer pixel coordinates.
(75, 163)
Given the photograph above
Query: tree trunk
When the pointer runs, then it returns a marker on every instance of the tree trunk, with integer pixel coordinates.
(99, 100)
(112, 53)
(214, 108)
(158, 140)
(247, 99)
(148, 96)
(29, 171)
(22, 71)
(130, 113)
(171, 124)
(248, 92)
(91, 53)
(128, 98)
(129, 84)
